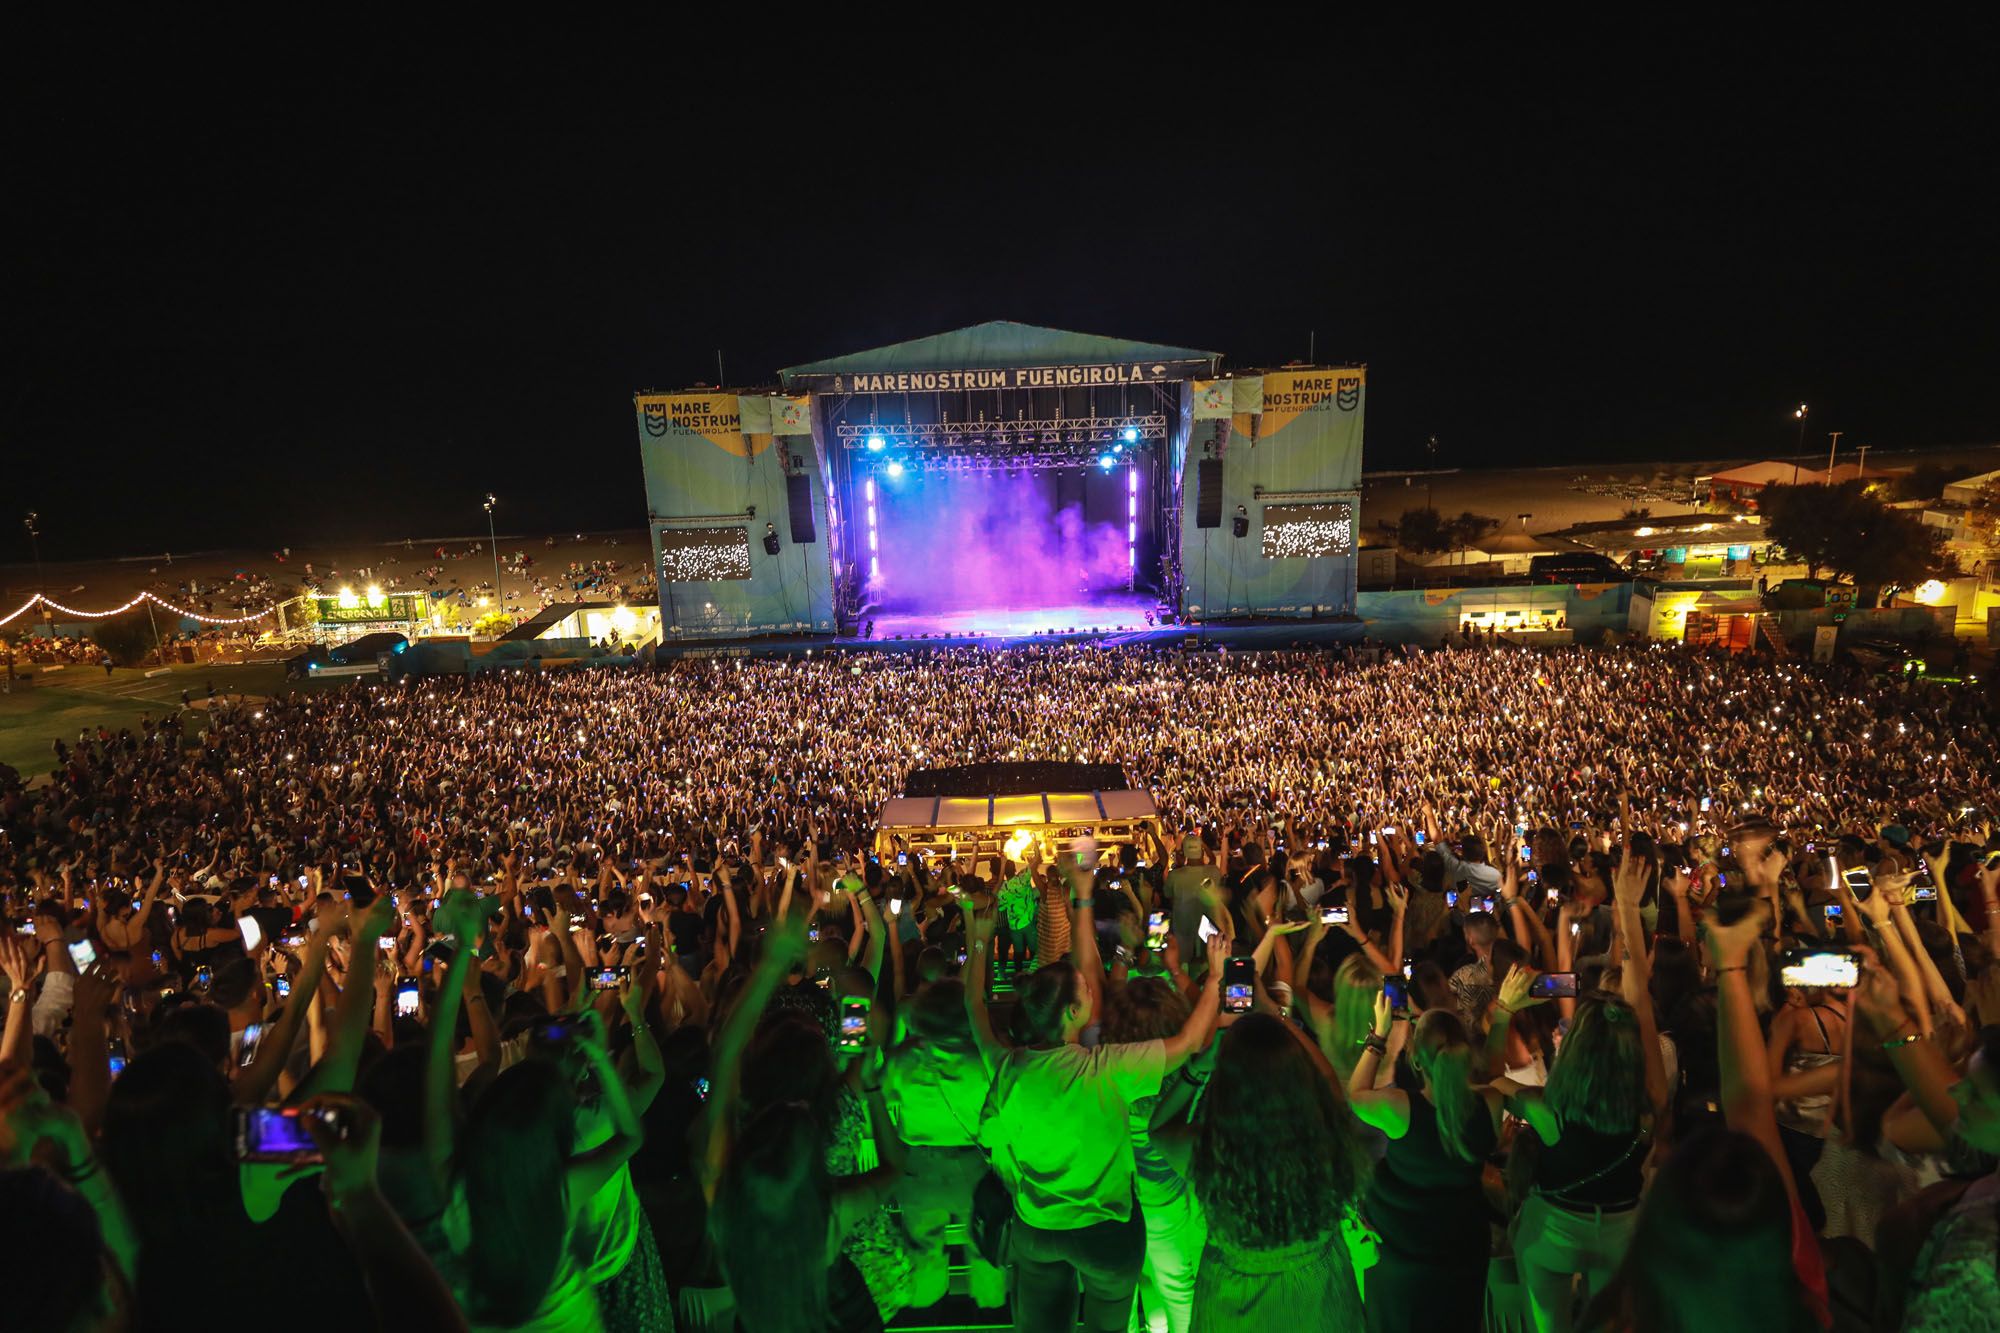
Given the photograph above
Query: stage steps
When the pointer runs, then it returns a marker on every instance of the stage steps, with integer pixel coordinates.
(1767, 629)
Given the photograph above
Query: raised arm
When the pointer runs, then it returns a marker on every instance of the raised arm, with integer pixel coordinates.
(1387, 1109)
(1746, 1081)
(1628, 886)
(784, 944)
(336, 1073)
(1195, 1032)
(979, 926)
(253, 1082)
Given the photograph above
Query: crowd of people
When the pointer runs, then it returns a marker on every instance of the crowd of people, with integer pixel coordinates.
(1638, 989)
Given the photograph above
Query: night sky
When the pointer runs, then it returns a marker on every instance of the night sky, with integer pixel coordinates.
(345, 293)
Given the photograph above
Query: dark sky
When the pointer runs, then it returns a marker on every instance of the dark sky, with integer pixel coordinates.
(332, 292)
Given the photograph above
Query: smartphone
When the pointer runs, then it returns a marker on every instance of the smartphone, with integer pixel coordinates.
(284, 987)
(1527, 853)
(1859, 882)
(1321, 844)
(895, 906)
(83, 953)
(1833, 913)
(204, 977)
(1554, 986)
(1420, 837)
(1704, 804)
(1391, 831)
(608, 978)
(1371, 837)
(1451, 897)
(853, 1022)
(1239, 985)
(28, 928)
(902, 858)
(1830, 969)
(1923, 893)
(408, 997)
(1206, 930)
(551, 1030)
(253, 1033)
(387, 944)
(1485, 904)
(701, 1087)
(1334, 916)
(812, 932)
(1156, 931)
(1398, 992)
(278, 1134)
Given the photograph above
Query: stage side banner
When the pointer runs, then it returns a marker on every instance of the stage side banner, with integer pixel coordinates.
(687, 417)
(1311, 428)
(791, 416)
(1214, 400)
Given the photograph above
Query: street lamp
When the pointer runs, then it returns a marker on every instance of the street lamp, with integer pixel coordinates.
(1800, 413)
(33, 523)
(491, 536)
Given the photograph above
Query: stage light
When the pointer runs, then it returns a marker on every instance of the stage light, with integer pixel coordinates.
(896, 468)
(1118, 448)
(1107, 461)
(876, 444)
(1131, 435)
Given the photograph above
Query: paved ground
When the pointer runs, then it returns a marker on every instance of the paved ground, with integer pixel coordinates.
(60, 703)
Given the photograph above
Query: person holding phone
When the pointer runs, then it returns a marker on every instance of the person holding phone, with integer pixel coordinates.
(1076, 1224)
(1594, 1121)
(1425, 1201)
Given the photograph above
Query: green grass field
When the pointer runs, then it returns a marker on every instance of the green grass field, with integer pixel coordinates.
(61, 703)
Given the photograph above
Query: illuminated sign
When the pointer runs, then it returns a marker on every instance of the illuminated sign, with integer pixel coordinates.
(348, 607)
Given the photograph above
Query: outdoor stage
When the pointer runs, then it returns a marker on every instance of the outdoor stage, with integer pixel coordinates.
(1107, 611)
(1003, 482)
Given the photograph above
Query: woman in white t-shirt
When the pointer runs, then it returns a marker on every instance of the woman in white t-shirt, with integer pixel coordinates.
(1056, 1126)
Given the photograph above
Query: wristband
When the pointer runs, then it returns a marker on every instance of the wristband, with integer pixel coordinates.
(1082, 903)
(1379, 1045)
(82, 1173)
(1903, 1041)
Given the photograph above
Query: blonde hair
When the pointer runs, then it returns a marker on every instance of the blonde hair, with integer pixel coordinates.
(1355, 986)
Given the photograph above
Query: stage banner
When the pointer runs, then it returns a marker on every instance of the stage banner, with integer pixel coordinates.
(1289, 394)
(753, 412)
(1214, 400)
(1249, 395)
(685, 417)
(792, 416)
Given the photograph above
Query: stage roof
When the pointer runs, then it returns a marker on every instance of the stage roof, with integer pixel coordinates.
(998, 344)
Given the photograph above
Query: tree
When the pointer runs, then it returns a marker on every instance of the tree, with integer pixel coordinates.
(1844, 529)
(1428, 532)
(1926, 481)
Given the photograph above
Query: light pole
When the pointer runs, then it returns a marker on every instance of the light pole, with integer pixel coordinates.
(1832, 443)
(1431, 450)
(498, 591)
(33, 523)
(1800, 413)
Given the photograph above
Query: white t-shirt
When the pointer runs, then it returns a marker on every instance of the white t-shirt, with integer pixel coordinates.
(1055, 1124)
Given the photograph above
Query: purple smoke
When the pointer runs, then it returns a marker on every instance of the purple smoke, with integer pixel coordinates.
(991, 540)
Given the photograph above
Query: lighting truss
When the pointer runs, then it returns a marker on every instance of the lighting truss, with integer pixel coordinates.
(1081, 434)
(1026, 461)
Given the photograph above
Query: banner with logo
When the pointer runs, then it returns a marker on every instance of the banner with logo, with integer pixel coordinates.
(1214, 400)
(791, 416)
(1290, 394)
(683, 418)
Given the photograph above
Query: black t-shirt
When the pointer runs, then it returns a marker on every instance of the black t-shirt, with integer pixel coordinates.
(687, 930)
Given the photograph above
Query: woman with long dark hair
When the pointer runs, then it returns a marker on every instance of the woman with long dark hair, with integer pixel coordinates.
(777, 1215)
(1056, 1126)
(1277, 1170)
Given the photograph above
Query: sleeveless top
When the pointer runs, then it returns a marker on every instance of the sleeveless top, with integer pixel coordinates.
(1808, 1114)
(1423, 1200)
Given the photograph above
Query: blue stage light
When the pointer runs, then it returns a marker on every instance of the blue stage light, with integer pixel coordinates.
(876, 444)
(895, 469)
(1106, 461)
(1118, 448)
(1131, 435)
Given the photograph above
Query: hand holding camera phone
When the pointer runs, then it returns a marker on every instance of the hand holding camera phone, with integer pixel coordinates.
(1239, 985)
(853, 1022)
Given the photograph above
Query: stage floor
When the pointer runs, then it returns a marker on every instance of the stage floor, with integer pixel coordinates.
(1108, 611)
